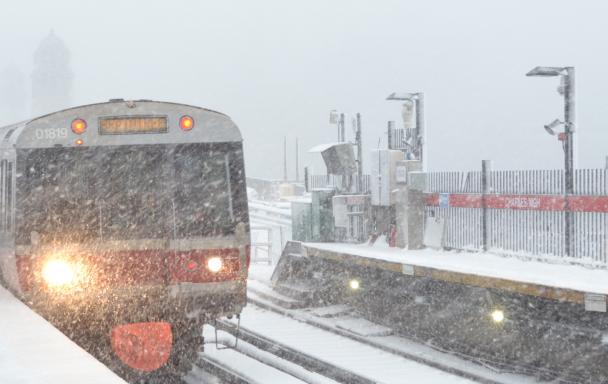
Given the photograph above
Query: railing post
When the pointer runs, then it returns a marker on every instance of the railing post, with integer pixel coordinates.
(486, 168)
(391, 135)
(306, 182)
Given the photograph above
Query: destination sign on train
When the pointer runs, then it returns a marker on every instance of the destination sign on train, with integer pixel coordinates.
(132, 124)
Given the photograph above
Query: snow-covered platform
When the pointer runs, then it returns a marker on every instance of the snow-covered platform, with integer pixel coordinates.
(564, 282)
(32, 351)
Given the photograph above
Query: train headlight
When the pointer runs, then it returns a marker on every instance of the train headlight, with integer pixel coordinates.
(58, 273)
(498, 316)
(215, 264)
(354, 284)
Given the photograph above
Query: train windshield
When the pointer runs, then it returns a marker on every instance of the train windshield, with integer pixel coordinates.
(131, 192)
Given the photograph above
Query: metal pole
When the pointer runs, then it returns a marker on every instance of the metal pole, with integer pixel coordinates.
(306, 185)
(570, 128)
(391, 134)
(420, 129)
(297, 161)
(486, 168)
(359, 155)
(341, 133)
(284, 158)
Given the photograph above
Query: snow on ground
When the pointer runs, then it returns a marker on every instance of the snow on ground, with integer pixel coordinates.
(32, 351)
(565, 276)
(346, 353)
(251, 363)
(261, 272)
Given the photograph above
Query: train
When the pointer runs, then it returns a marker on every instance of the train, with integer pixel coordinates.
(125, 223)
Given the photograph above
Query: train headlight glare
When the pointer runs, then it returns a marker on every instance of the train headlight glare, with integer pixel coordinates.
(215, 264)
(58, 273)
(354, 284)
(498, 316)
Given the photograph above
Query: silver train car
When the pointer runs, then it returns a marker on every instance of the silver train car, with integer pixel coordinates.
(130, 220)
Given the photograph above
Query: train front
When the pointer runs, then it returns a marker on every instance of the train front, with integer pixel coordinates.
(132, 217)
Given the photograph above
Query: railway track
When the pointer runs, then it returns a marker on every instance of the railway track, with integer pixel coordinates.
(261, 355)
(294, 356)
(212, 371)
(253, 359)
(263, 304)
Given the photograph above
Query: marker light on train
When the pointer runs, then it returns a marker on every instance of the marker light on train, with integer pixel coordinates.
(215, 264)
(186, 123)
(58, 273)
(192, 265)
(79, 126)
(79, 141)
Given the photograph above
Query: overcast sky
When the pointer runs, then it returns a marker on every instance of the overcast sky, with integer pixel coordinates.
(278, 67)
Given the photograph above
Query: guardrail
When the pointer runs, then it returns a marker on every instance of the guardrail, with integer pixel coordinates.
(270, 230)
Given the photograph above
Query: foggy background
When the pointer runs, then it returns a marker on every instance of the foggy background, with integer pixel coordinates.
(278, 68)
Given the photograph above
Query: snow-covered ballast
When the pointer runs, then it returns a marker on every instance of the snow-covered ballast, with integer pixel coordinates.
(136, 210)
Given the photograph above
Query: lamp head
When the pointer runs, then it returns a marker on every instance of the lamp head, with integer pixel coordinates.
(546, 71)
(550, 128)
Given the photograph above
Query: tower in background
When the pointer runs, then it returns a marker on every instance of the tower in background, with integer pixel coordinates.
(51, 76)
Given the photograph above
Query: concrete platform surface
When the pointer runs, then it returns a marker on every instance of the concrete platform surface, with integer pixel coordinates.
(32, 351)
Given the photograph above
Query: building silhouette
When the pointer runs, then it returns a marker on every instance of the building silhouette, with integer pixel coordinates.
(51, 76)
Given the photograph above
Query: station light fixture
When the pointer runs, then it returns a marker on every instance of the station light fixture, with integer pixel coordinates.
(215, 264)
(546, 71)
(404, 96)
(550, 128)
(186, 123)
(354, 284)
(79, 126)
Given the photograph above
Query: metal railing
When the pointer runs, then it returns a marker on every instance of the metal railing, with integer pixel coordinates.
(534, 225)
(336, 182)
(274, 223)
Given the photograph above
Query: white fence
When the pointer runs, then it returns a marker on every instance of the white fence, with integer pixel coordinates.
(525, 212)
(270, 230)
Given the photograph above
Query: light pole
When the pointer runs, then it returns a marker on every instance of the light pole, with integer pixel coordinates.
(566, 89)
(417, 148)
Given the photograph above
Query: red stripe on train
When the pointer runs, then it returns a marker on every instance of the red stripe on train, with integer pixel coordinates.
(150, 267)
(191, 266)
(520, 202)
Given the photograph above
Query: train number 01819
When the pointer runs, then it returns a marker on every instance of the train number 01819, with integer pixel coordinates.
(51, 133)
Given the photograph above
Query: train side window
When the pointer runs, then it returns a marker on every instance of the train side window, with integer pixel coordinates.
(3, 167)
(6, 196)
(229, 185)
(9, 197)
